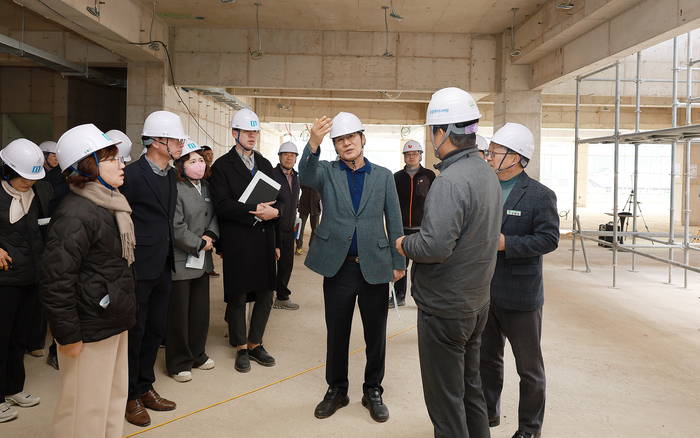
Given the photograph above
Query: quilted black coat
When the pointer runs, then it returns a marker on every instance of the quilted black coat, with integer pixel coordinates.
(82, 264)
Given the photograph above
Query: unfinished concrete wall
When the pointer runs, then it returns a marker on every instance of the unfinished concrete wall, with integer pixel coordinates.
(334, 60)
(148, 89)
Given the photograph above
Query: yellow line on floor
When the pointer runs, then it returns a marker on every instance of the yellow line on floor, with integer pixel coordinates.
(252, 391)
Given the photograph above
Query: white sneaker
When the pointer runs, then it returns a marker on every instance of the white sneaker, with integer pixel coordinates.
(22, 399)
(183, 376)
(209, 364)
(7, 413)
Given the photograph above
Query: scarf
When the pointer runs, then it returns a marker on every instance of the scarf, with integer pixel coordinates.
(117, 204)
(21, 201)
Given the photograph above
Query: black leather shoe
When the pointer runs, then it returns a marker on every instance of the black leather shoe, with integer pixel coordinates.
(372, 400)
(521, 434)
(52, 360)
(495, 421)
(261, 356)
(333, 401)
(242, 364)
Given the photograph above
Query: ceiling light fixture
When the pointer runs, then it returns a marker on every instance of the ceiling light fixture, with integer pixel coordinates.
(565, 6)
(387, 53)
(258, 53)
(514, 52)
(393, 12)
(228, 1)
(95, 11)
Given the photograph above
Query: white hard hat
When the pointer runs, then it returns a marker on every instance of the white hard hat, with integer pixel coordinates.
(25, 158)
(288, 146)
(345, 123)
(412, 146)
(481, 143)
(191, 146)
(48, 146)
(517, 138)
(451, 105)
(246, 120)
(124, 146)
(164, 124)
(79, 142)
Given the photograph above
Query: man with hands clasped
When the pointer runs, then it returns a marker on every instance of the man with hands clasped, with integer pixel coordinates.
(353, 253)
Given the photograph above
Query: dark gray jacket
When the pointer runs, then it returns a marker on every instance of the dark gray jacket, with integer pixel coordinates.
(454, 253)
(530, 224)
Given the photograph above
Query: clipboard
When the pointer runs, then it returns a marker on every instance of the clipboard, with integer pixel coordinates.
(261, 188)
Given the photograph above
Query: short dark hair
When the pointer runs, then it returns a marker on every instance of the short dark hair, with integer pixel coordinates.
(88, 166)
(9, 173)
(206, 148)
(180, 169)
(460, 141)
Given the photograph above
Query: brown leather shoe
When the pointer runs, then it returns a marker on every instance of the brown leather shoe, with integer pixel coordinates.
(152, 400)
(136, 414)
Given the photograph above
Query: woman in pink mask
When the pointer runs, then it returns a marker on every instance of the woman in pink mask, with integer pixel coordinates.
(196, 231)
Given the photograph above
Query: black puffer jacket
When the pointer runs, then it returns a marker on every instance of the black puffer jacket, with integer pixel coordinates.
(82, 263)
(22, 241)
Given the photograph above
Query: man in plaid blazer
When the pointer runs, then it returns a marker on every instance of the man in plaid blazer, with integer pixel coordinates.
(529, 229)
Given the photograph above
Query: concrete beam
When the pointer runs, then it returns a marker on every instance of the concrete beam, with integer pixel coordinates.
(119, 23)
(549, 27)
(648, 23)
(334, 60)
(69, 46)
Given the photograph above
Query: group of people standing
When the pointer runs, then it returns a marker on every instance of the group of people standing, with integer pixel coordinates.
(126, 261)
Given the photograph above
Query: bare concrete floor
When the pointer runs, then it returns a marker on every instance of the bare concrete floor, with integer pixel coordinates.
(620, 363)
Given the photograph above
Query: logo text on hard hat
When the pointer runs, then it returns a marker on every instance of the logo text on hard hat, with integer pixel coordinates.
(440, 111)
(36, 169)
(471, 104)
(253, 123)
(191, 145)
(105, 136)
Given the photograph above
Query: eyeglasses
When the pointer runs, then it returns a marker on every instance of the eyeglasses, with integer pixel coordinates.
(488, 153)
(340, 140)
(411, 154)
(118, 158)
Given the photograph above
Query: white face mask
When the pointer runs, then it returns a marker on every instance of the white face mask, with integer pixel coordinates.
(196, 170)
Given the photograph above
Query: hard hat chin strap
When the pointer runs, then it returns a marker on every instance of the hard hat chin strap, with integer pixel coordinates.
(444, 139)
(99, 178)
(502, 160)
(238, 140)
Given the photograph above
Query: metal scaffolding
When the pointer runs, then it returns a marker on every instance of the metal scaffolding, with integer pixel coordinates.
(686, 134)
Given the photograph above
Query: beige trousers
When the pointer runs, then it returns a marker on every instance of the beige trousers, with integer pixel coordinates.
(95, 387)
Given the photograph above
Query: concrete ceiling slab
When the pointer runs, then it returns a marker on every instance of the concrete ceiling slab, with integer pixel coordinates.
(450, 16)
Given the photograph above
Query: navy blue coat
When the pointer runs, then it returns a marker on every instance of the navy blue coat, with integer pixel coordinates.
(531, 228)
(153, 221)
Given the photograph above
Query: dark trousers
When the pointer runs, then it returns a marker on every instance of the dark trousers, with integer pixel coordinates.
(524, 332)
(235, 316)
(285, 265)
(314, 224)
(400, 285)
(340, 293)
(146, 336)
(16, 307)
(36, 337)
(188, 324)
(448, 350)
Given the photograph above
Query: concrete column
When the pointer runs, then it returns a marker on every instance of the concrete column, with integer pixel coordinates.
(516, 102)
(145, 94)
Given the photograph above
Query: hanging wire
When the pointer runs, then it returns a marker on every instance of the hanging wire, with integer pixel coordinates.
(258, 53)
(387, 53)
(514, 51)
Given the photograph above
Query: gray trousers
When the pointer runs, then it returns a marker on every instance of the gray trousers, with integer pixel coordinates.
(524, 332)
(448, 350)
